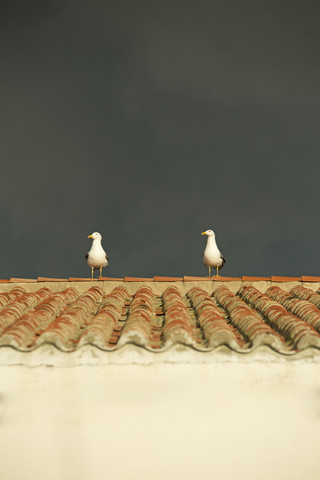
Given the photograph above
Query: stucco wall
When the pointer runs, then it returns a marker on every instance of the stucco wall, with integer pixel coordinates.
(249, 420)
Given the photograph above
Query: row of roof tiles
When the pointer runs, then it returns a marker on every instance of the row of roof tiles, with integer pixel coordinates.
(244, 278)
(287, 322)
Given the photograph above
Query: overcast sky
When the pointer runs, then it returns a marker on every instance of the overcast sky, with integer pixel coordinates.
(153, 121)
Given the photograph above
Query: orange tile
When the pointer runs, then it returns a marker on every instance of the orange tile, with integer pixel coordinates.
(308, 278)
(137, 279)
(177, 324)
(285, 279)
(247, 278)
(167, 279)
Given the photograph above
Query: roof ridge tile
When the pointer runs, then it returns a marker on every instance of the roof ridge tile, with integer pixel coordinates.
(275, 278)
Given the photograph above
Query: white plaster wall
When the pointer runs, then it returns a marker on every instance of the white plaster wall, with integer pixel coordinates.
(217, 421)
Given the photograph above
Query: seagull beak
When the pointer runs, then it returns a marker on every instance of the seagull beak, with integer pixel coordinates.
(90, 236)
(203, 233)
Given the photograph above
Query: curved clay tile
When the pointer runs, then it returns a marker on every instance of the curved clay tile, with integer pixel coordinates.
(21, 305)
(138, 327)
(215, 328)
(100, 329)
(290, 326)
(22, 333)
(301, 308)
(247, 320)
(306, 294)
(177, 326)
(12, 295)
(65, 330)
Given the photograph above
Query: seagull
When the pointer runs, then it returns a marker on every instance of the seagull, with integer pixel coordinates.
(96, 257)
(212, 256)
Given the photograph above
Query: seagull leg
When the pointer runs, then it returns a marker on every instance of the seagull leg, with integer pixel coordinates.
(100, 271)
(209, 271)
(217, 271)
(91, 272)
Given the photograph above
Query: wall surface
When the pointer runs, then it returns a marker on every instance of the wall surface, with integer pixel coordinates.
(226, 420)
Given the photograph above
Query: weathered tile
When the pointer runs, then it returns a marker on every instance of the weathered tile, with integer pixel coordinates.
(286, 321)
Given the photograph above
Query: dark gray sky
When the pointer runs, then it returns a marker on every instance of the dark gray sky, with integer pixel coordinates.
(153, 121)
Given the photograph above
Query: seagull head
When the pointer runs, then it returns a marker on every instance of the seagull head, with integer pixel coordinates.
(95, 236)
(209, 233)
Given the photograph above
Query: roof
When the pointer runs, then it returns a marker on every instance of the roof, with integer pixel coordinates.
(199, 315)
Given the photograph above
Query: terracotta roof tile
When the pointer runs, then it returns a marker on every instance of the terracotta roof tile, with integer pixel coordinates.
(297, 331)
(306, 294)
(285, 279)
(24, 331)
(65, 329)
(108, 319)
(302, 308)
(178, 326)
(7, 297)
(138, 327)
(216, 329)
(109, 312)
(247, 320)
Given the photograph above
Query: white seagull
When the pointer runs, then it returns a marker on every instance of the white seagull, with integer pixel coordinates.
(96, 257)
(212, 256)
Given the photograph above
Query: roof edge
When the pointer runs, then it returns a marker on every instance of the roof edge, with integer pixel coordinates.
(156, 278)
(49, 355)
